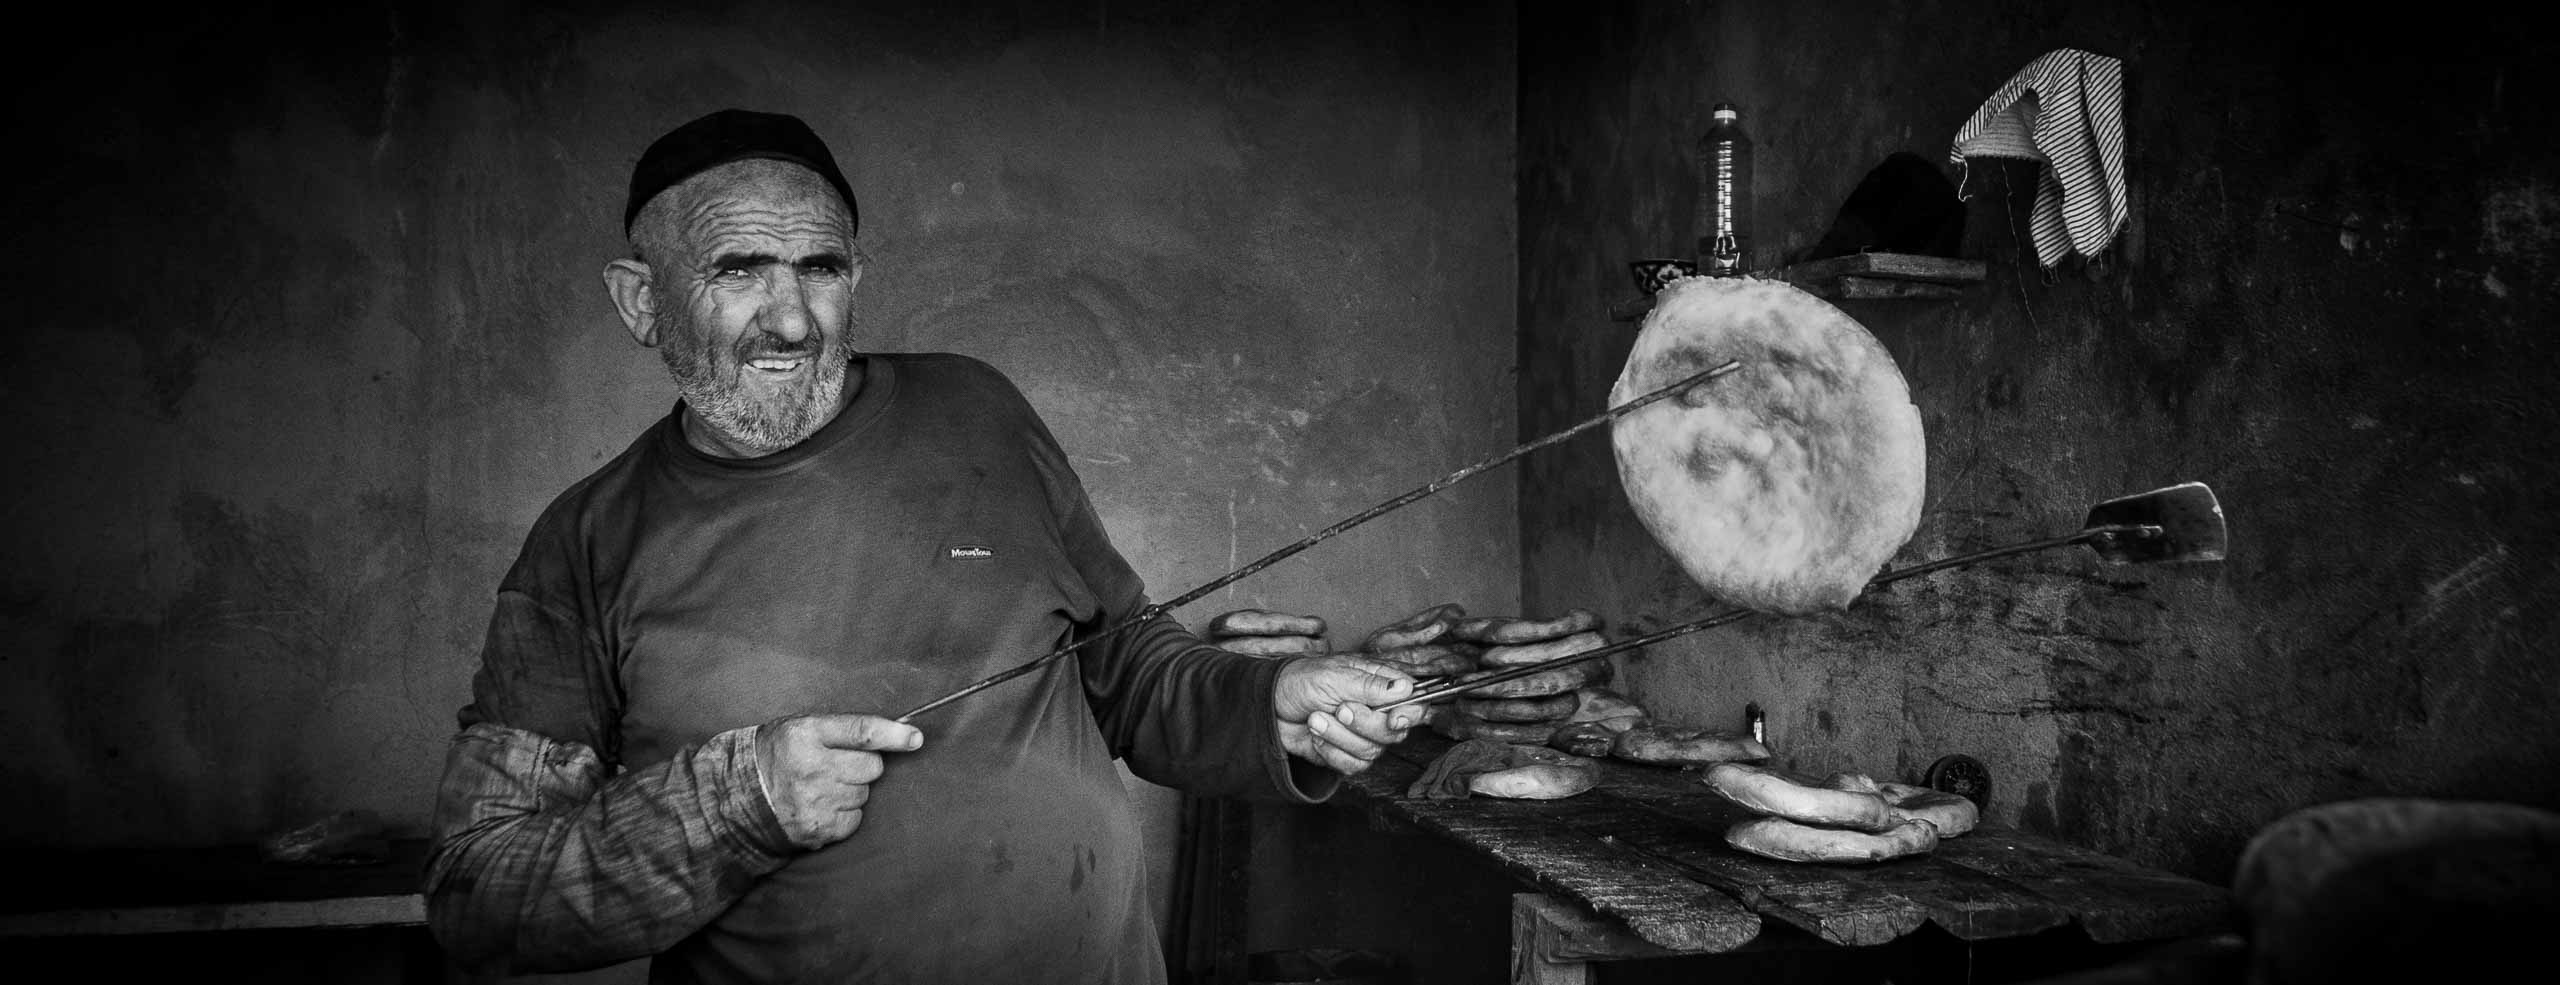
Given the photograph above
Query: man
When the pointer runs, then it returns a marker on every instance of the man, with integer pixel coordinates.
(676, 743)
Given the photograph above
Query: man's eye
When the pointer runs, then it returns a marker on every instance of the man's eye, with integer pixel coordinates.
(732, 274)
(823, 270)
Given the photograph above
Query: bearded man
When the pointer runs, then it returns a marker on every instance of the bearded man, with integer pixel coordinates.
(675, 745)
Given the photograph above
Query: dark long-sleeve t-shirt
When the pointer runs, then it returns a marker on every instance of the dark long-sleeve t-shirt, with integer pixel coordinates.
(602, 803)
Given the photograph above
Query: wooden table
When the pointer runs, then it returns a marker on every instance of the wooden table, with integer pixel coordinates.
(1638, 868)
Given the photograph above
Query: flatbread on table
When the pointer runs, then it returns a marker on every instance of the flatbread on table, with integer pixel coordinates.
(1783, 486)
(1785, 840)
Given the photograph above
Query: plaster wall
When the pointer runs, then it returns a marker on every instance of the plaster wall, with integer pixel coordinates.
(312, 328)
(2332, 304)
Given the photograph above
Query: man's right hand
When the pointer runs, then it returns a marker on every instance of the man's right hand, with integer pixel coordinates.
(817, 770)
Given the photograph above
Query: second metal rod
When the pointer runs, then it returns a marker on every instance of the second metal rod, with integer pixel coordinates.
(1454, 686)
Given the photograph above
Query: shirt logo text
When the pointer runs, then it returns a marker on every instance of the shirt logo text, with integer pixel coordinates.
(971, 552)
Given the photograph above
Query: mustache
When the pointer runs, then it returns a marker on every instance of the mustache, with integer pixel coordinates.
(768, 347)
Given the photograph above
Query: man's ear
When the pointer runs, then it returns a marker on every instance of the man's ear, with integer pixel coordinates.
(628, 280)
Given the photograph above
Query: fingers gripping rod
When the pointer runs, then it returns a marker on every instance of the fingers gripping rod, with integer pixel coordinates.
(1144, 615)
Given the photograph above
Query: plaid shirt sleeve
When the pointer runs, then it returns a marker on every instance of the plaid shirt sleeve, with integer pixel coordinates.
(543, 862)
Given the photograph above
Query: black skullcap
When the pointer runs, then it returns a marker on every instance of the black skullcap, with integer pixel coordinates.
(725, 136)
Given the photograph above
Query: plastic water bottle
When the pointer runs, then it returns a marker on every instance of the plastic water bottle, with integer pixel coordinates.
(1724, 196)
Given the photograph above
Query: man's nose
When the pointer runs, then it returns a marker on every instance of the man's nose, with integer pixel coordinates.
(786, 307)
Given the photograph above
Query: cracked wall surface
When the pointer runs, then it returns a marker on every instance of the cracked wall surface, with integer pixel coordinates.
(2331, 304)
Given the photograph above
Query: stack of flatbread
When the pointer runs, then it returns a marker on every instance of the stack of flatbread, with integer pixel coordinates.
(1525, 710)
(1266, 633)
(1848, 817)
(1421, 644)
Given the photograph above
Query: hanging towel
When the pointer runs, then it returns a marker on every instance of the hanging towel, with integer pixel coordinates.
(2065, 112)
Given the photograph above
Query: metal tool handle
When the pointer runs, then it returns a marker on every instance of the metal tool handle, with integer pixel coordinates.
(1364, 516)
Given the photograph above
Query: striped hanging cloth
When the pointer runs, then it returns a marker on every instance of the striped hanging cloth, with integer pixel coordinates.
(2065, 111)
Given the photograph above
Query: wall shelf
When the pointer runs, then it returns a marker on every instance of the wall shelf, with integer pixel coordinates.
(1861, 277)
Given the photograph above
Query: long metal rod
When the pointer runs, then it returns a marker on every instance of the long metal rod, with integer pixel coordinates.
(1457, 687)
(1364, 516)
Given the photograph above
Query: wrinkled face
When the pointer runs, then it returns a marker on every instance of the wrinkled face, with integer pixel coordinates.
(753, 267)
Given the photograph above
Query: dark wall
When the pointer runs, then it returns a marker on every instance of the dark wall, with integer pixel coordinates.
(2333, 304)
(312, 327)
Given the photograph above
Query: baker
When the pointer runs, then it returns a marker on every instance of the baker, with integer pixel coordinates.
(675, 744)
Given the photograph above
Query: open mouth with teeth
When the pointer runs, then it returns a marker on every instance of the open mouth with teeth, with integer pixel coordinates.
(779, 365)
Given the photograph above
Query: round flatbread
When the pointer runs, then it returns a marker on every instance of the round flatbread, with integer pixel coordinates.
(1430, 659)
(1524, 654)
(1951, 814)
(1426, 626)
(1685, 745)
(1265, 622)
(1550, 708)
(1784, 485)
(1509, 630)
(1537, 781)
(1271, 646)
(1460, 726)
(1779, 838)
(1554, 680)
(1600, 704)
(1593, 739)
(1857, 806)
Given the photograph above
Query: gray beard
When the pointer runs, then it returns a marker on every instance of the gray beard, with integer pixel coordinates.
(761, 427)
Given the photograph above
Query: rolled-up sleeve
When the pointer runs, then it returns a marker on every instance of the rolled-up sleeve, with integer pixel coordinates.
(547, 853)
(541, 862)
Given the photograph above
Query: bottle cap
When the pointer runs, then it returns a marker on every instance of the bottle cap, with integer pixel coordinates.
(1725, 111)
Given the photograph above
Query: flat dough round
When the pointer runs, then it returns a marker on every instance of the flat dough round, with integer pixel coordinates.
(1685, 745)
(1593, 739)
(1509, 630)
(1554, 680)
(1271, 646)
(1536, 781)
(1426, 626)
(1265, 622)
(1459, 726)
(1430, 659)
(1951, 814)
(1524, 654)
(1600, 704)
(1831, 804)
(1785, 840)
(1784, 485)
(1550, 708)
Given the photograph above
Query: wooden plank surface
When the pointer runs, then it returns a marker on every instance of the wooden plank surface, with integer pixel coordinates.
(2113, 900)
(1532, 841)
(1646, 823)
(1559, 931)
(1816, 899)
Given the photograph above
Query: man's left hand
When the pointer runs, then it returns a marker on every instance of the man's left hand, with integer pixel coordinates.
(1325, 706)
